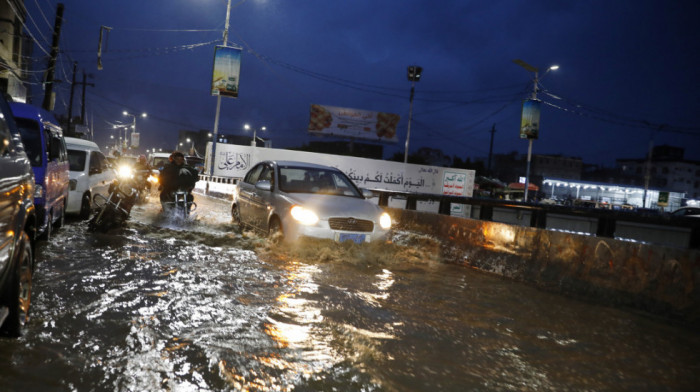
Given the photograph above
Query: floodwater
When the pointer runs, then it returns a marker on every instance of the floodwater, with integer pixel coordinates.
(162, 306)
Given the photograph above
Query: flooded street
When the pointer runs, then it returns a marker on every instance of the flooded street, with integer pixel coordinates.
(201, 307)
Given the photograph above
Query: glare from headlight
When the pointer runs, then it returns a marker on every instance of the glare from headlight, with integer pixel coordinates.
(385, 221)
(304, 215)
(125, 171)
(152, 179)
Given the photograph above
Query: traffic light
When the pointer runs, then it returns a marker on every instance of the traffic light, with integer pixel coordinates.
(414, 72)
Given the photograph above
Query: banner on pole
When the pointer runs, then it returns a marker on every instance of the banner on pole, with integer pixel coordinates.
(530, 121)
(226, 73)
(135, 139)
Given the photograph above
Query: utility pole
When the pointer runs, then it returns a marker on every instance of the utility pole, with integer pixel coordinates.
(493, 131)
(48, 92)
(84, 83)
(414, 73)
(70, 102)
(212, 158)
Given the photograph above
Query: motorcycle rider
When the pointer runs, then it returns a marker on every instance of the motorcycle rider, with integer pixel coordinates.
(142, 170)
(141, 164)
(176, 175)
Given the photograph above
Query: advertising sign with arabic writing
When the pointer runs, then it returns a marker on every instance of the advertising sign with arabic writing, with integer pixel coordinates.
(354, 123)
(227, 70)
(234, 161)
(453, 183)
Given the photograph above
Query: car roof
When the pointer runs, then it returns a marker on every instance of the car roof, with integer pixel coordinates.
(77, 142)
(302, 165)
(24, 110)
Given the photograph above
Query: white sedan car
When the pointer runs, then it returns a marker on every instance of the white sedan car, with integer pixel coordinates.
(294, 199)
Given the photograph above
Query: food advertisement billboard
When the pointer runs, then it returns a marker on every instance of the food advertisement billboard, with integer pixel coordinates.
(353, 123)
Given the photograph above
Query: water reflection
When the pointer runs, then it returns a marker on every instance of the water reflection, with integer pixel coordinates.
(204, 308)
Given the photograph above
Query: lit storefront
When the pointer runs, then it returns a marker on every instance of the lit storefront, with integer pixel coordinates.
(609, 195)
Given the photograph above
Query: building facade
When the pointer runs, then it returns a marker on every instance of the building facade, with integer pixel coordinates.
(667, 169)
(14, 48)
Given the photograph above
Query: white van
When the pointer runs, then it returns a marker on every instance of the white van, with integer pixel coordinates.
(158, 159)
(90, 175)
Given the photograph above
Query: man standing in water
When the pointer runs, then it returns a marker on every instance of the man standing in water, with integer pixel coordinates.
(174, 176)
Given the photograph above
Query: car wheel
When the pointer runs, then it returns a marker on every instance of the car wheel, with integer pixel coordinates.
(275, 231)
(85, 207)
(18, 295)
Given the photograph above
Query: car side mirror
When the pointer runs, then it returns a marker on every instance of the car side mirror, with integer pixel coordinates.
(263, 185)
(367, 194)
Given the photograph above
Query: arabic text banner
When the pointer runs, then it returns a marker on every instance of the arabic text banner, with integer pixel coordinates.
(355, 123)
(234, 161)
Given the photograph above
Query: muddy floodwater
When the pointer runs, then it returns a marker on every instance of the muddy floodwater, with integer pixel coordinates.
(163, 306)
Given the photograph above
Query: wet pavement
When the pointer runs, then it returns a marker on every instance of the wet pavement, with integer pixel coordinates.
(166, 306)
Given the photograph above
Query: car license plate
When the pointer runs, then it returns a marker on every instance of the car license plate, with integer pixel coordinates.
(356, 238)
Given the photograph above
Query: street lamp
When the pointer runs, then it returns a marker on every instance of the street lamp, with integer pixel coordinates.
(254, 143)
(414, 73)
(133, 124)
(535, 70)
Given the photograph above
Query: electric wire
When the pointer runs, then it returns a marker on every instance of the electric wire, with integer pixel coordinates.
(38, 44)
(46, 20)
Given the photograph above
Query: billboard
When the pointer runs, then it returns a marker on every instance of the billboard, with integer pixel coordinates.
(353, 123)
(226, 73)
(530, 120)
(234, 161)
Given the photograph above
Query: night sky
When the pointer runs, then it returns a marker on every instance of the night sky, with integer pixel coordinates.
(627, 68)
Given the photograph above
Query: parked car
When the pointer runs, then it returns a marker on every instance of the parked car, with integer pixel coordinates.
(17, 225)
(294, 199)
(688, 212)
(90, 175)
(43, 141)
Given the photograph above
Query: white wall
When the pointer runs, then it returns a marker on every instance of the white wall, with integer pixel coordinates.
(233, 161)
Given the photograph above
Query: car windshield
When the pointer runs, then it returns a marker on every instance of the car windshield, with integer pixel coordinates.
(315, 180)
(76, 160)
(159, 162)
(31, 138)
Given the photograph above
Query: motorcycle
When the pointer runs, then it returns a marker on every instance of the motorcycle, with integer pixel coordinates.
(114, 210)
(142, 180)
(181, 206)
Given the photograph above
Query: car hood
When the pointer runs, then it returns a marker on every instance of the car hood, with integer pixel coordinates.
(336, 206)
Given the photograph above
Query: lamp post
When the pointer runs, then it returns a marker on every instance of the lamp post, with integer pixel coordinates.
(254, 143)
(535, 70)
(218, 100)
(414, 73)
(133, 125)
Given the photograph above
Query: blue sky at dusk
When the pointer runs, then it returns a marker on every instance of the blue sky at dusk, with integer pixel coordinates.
(626, 68)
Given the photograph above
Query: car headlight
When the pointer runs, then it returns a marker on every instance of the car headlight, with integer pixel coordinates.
(152, 179)
(304, 215)
(385, 221)
(125, 171)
